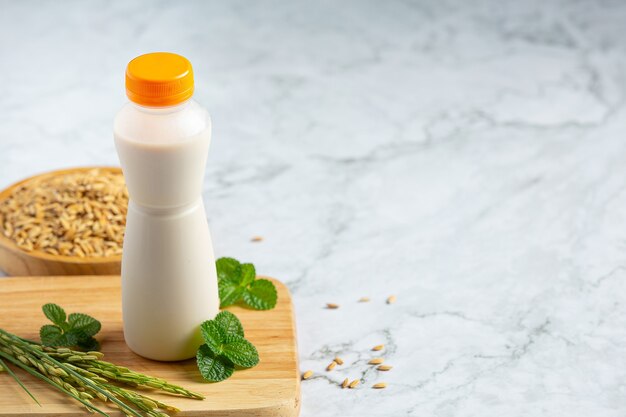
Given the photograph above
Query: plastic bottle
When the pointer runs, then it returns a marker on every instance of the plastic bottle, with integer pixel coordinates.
(169, 282)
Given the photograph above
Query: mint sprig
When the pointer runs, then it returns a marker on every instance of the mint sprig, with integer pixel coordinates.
(225, 348)
(77, 329)
(213, 368)
(238, 283)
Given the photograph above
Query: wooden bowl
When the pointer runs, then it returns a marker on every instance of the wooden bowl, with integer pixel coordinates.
(17, 261)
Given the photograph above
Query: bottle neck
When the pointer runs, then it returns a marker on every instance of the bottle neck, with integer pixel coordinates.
(163, 109)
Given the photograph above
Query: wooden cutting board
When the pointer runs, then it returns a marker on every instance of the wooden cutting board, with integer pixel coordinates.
(272, 388)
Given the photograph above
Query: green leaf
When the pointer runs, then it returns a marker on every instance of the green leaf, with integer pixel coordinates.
(54, 313)
(248, 274)
(88, 344)
(228, 269)
(229, 293)
(77, 331)
(50, 335)
(240, 351)
(261, 295)
(213, 367)
(225, 347)
(229, 323)
(238, 282)
(213, 335)
(83, 326)
(69, 340)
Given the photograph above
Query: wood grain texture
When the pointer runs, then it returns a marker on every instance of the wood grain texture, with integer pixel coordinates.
(18, 262)
(270, 389)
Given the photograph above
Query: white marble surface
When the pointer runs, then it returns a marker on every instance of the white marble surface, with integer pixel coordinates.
(468, 156)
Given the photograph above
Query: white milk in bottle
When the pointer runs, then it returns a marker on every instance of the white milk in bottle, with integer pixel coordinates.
(169, 282)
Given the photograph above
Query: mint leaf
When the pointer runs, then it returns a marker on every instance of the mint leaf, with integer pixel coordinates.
(213, 335)
(238, 282)
(228, 269)
(54, 313)
(229, 323)
(70, 340)
(261, 295)
(213, 367)
(240, 351)
(229, 293)
(225, 348)
(248, 274)
(51, 335)
(76, 330)
(88, 344)
(83, 326)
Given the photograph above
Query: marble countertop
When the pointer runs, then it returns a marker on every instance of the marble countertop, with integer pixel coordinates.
(468, 157)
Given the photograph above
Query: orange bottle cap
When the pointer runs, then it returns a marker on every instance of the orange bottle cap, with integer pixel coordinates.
(159, 79)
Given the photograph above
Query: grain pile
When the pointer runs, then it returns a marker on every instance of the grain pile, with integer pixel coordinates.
(74, 214)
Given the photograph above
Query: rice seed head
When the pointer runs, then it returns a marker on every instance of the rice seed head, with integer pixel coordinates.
(149, 403)
(345, 383)
(256, 239)
(308, 374)
(364, 299)
(338, 360)
(391, 299)
(384, 367)
(378, 347)
(331, 366)
(86, 396)
(376, 361)
(354, 383)
(332, 306)
(379, 385)
(98, 355)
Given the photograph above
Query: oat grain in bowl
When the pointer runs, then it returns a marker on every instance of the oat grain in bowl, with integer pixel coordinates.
(71, 214)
